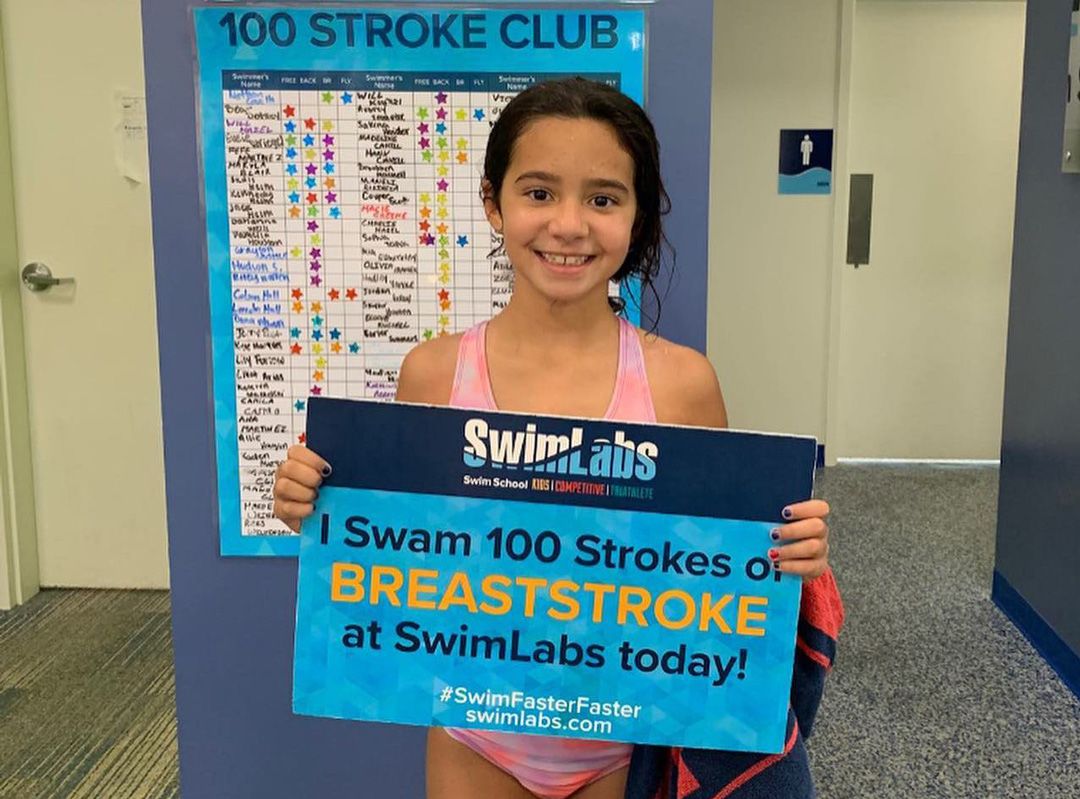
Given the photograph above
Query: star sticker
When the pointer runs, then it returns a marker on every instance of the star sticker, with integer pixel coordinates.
(462, 144)
(294, 212)
(328, 168)
(335, 347)
(444, 294)
(315, 252)
(293, 183)
(444, 156)
(295, 332)
(316, 348)
(445, 280)
(316, 280)
(443, 185)
(354, 348)
(289, 111)
(290, 141)
(316, 335)
(426, 156)
(441, 142)
(294, 197)
(309, 155)
(346, 98)
(444, 254)
(479, 114)
(317, 376)
(424, 143)
(312, 197)
(328, 154)
(440, 128)
(422, 112)
(442, 228)
(320, 362)
(425, 212)
(298, 307)
(295, 349)
(300, 405)
(441, 113)
(350, 294)
(309, 140)
(440, 199)
(443, 171)
(428, 239)
(312, 211)
(327, 125)
(327, 139)
(309, 123)
(310, 183)
(444, 240)
(297, 293)
(335, 294)
(444, 321)
(427, 335)
(444, 305)
(313, 226)
(302, 438)
(317, 321)
(327, 97)
(462, 158)
(335, 334)
(329, 183)
(423, 127)
(316, 391)
(441, 213)
(316, 307)
(291, 169)
(290, 127)
(462, 240)
(425, 226)
(335, 212)
(440, 98)
(315, 239)
(460, 114)
(311, 169)
(425, 197)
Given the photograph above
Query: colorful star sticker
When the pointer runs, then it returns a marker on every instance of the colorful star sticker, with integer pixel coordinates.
(424, 143)
(294, 197)
(427, 239)
(441, 142)
(478, 114)
(317, 321)
(335, 294)
(316, 348)
(350, 294)
(312, 211)
(316, 307)
(444, 294)
(444, 156)
(328, 154)
(317, 376)
(425, 197)
(328, 168)
(316, 280)
(440, 199)
(308, 140)
(346, 98)
(462, 240)
(313, 226)
(297, 293)
(425, 212)
(328, 140)
(327, 97)
(289, 111)
(295, 332)
(440, 98)
(300, 405)
(462, 158)
(316, 335)
(309, 155)
(294, 212)
(329, 183)
(316, 391)
(462, 144)
(444, 321)
(423, 127)
(309, 123)
(354, 348)
(293, 183)
(442, 228)
(298, 307)
(320, 362)
(335, 334)
(444, 240)
(441, 213)
(290, 152)
(311, 183)
(443, 171)
(311, 169)
(335, 347)
(422, 113)
(315, 240)
(295, 349)
(327, 125)
(290, 127)
(444, 305)
(312, 197)
(443, 185)
(440, 128)
(426, 156)
(291, 170)
(425, 226)
(315, 252)
(460, 114)
(427, 335)
(441, 113)
(335, 212)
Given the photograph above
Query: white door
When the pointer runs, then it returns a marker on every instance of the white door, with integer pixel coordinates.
(934, 116)
(91, 346)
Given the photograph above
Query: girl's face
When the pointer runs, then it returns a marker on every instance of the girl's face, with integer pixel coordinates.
(566, 209)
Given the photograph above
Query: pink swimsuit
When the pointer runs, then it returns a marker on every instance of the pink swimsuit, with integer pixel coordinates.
(552, 768)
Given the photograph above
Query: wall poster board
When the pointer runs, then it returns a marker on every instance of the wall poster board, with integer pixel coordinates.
(341, 151)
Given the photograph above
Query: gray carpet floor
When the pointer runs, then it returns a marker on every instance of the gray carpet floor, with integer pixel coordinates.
(934, 694)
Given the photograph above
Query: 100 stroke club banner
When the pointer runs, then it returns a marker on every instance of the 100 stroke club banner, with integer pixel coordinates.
(548, 575)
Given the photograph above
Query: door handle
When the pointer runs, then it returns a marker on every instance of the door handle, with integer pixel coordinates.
(38, 277)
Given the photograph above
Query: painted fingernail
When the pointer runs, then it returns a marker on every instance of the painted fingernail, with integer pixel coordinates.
(775, 535)
(326, 470)
(786, 513)
(774, 553)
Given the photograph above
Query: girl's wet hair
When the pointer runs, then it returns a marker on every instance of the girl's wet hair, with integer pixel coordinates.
(578, 98)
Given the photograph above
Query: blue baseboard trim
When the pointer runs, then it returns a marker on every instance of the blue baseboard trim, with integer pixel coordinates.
(1048, 643)
(820, 455)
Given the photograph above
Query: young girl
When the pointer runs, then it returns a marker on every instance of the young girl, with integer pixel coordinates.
(572, 185)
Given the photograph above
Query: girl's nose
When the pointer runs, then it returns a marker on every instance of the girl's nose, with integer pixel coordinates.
(568, 221)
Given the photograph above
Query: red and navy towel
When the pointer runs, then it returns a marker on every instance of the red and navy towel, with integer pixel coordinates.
(658, 772)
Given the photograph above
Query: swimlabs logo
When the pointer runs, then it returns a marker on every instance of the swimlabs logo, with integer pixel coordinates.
(532, 451)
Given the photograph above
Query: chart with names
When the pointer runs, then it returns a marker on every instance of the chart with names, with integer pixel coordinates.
(355, 231)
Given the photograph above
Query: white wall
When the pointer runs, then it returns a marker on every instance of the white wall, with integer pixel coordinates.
(775, 65)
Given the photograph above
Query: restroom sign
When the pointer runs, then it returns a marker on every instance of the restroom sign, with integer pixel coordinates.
(806, 161)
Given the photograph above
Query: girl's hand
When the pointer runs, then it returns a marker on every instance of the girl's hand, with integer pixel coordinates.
(296, 485)
(802, 545)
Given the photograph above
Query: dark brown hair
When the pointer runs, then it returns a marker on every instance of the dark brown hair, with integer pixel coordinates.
(578, 98)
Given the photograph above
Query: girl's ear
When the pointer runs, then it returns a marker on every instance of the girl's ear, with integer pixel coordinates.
(491, 208)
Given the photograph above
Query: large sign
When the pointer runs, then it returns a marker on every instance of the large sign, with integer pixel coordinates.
(341, 153)
(546, 575)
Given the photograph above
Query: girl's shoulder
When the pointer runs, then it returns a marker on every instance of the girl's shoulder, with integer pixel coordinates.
(427, 373)
(683, 383)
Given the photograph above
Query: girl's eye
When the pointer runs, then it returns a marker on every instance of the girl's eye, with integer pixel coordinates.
(603, 201)
(538, 194)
